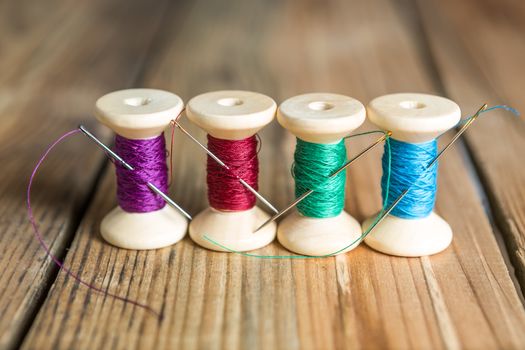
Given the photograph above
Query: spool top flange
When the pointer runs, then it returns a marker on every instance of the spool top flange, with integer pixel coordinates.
(138, 113)
(413, 117)
(321, 117)
(231, 114)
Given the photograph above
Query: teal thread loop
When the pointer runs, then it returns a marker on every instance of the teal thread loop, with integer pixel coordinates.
(386, 197)
(355, 242)
(313, 164)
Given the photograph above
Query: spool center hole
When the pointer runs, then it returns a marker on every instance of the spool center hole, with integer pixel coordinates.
(137, 101)
(412, 105)
(230, 102)
(320, 106)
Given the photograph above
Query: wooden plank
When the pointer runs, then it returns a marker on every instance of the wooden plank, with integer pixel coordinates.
(54, 72)
(24, 35)
(463, 297)
(481, 59)
(24, 30)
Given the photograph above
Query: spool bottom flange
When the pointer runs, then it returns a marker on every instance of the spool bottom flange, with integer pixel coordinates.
(232, 229)
(409, 237)
(319, 236)
(142, 231)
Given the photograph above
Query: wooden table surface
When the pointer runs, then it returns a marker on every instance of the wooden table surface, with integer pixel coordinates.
(58, 56)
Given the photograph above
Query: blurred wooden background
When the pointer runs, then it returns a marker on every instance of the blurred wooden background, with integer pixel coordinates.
(58, 56)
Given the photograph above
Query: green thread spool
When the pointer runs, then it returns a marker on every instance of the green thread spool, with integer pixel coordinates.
(313, 164)
(320, 121)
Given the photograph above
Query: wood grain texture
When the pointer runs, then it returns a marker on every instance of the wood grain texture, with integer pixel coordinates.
(484, 63)
(56, 64)
(463, 297)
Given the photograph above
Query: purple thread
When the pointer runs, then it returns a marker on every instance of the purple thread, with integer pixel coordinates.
(43, 244)
(148, 159)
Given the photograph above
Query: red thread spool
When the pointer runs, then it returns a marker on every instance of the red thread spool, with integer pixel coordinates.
(232, 118)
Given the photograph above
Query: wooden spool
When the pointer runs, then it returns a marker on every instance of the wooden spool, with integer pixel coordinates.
(231, 115)
(320, 118)
(412, 118)
(140, 114)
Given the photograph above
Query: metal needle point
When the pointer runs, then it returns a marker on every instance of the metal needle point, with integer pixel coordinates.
(116, 157)
(106, 149)
(335, 173)
(221, 163)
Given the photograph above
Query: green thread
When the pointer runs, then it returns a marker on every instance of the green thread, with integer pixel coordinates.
(313, 164)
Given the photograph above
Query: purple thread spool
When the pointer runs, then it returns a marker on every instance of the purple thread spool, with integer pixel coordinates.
(139, 117)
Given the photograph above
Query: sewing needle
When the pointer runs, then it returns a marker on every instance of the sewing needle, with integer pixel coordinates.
(404, 193)
(221, 163)
(335, 173)
(116, 157)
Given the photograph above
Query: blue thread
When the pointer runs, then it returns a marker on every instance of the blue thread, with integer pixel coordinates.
(408, 170)
(504, 107)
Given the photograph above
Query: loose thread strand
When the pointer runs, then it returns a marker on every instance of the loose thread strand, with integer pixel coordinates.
(170, 153)
(47, 249)
(173, 125)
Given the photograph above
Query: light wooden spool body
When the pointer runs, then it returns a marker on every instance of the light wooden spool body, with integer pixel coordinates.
(413, 118)
(140, 114)
(231, 115)
(320, 118)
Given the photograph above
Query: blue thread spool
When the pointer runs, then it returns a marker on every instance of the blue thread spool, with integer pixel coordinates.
(320, 118)
(413, 229)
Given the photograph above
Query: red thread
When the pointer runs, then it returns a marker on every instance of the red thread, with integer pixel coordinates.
(225, 192)
(43, 244)
(173, 124)
(170, 154)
